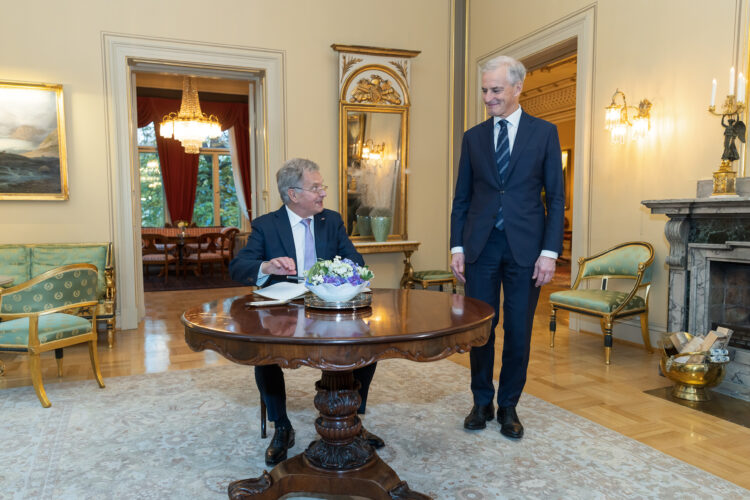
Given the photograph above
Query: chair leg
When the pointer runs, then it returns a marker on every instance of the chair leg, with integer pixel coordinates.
(552, 326)
(111, 332)
(36, 378)
(607, 329)
(95, 362)
(644, 332)
(262, 418)
(59, 359)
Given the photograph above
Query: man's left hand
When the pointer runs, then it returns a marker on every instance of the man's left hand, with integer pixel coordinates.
(544, 270)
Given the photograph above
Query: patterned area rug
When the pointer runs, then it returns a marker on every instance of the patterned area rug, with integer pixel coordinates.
(187, 434)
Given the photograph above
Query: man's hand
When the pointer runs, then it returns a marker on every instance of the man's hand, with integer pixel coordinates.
(457, 266)
(279, 265)
(544, 270)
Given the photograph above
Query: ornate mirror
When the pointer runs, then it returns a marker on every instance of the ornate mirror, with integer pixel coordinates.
(373, 141)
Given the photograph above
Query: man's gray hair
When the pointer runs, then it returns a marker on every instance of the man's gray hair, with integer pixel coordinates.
(516, 71)
(290, 175)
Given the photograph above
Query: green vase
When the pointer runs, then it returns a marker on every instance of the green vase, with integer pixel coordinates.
(363, 225)
(381, 227)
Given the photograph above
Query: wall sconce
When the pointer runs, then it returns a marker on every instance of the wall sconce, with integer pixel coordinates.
(372, 151)
(617, 121)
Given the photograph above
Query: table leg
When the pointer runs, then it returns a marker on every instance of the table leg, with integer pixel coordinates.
(408, 275)
(340, 462)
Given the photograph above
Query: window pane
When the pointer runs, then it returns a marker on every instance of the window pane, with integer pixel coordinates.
(147, 135)
(152, 192)
(230, 207)
(219, 142)
(203, 213)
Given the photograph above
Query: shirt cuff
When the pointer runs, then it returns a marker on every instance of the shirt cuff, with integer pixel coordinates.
(262, 277)
(457, 250)
(549, 253)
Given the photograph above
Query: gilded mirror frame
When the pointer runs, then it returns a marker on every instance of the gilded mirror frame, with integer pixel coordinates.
(373, 143)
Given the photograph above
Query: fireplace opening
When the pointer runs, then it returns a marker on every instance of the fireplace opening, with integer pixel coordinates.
(729, 300)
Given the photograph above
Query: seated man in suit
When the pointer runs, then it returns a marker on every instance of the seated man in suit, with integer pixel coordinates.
(286, 243)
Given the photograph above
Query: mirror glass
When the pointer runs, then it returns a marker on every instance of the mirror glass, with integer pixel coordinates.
(374, 169)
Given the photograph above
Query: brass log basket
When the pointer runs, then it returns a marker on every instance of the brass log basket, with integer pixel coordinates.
(690, 379)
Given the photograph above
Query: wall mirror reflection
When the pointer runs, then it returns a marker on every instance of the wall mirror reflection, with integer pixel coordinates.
(374, 170)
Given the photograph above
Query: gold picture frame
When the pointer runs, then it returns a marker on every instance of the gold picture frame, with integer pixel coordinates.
(33, 158)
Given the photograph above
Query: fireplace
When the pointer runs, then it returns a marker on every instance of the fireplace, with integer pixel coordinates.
(709, 272)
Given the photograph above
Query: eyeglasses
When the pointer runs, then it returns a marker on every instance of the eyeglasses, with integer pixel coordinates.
(314, 189)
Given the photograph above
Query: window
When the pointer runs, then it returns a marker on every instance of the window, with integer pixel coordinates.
(216, 196)
(152, 190)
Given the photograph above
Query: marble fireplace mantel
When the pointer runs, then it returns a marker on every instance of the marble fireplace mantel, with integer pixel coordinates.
(716, 220)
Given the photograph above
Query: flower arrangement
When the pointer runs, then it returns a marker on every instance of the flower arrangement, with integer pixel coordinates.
(337, 280)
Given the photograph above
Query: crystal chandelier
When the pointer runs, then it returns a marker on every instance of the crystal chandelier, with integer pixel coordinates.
(190, 126)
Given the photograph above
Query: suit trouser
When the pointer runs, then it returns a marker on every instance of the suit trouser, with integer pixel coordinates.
(496, 268)
(270, 382)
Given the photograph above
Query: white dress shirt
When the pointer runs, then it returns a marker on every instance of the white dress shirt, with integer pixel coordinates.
(298, 233)
(512, 122)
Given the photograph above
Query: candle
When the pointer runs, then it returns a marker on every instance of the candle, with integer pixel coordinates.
(731, 81)
(741, 88)
(713, 93)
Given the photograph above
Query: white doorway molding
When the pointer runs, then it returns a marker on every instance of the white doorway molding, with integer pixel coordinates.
(120, 53)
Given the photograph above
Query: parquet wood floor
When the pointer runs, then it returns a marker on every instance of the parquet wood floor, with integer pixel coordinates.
(572, 375)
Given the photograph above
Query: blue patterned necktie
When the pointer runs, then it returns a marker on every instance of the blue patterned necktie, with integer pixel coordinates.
(309, 245)
(502, 158)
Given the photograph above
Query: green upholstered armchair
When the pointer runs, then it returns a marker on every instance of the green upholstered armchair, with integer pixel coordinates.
(35, 317)
(628, 261)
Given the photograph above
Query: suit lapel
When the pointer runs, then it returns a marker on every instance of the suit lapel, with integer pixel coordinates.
(320, 240)
(285, 233)
(488, 137)
(525, 126)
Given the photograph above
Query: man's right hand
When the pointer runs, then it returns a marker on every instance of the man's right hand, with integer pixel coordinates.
(279, 265)
(457, 266)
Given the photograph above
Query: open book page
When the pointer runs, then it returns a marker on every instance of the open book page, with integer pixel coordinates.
(282, 291)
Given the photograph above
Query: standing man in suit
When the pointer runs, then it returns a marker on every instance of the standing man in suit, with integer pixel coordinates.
(287, 243)
(501, 234)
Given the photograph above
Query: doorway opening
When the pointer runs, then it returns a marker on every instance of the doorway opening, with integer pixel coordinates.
(549, 93)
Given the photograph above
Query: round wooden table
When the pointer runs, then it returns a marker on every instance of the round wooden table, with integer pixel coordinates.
(418, 325)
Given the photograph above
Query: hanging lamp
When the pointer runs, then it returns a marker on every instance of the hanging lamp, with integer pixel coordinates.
(190, 126)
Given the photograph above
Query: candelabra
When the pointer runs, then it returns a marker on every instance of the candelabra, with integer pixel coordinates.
(734, 128)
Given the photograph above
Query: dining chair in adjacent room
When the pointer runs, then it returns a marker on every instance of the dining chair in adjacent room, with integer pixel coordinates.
(156, 252)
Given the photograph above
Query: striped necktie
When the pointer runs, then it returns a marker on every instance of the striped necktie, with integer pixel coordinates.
(502, 158)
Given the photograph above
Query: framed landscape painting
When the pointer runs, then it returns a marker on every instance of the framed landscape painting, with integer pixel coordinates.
(32, 142)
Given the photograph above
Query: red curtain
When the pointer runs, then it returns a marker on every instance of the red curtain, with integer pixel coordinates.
(179, 169)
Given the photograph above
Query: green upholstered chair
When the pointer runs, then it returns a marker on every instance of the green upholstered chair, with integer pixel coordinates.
(36, 317)
(430, 278)
(628, 261)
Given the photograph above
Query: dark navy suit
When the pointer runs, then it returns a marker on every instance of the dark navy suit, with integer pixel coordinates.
(495, 258)
(271, 237)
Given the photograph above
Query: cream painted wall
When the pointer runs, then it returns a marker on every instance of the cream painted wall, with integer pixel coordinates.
(60, 42)
(667, 51)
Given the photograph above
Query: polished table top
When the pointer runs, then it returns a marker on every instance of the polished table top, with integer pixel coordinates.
(421, 325)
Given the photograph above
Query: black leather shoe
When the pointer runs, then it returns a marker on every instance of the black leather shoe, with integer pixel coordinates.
(372, 439)
(510, 426)
(283, 439)
(479, 416)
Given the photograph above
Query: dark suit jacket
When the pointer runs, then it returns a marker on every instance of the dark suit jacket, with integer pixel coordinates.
(535, 163)
(271, 237)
